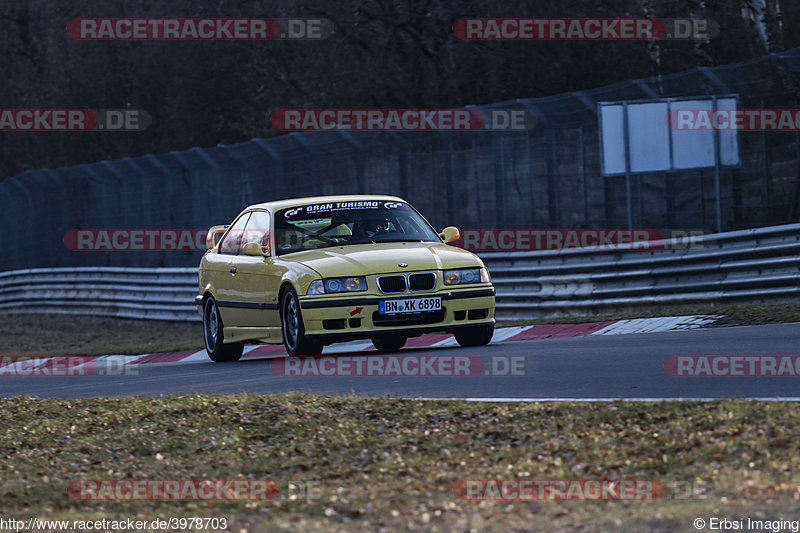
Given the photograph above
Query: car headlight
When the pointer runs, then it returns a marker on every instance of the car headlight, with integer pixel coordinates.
(316, 287)
(465, 275)
(331, 285)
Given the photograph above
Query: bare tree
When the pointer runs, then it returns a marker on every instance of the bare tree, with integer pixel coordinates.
(763, 17)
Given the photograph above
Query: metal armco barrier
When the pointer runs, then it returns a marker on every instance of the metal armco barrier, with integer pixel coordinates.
(755, 266)
(749, 266)
(147, 293)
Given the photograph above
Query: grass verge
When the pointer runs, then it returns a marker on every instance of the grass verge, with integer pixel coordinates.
(35, 334)
(381, 464)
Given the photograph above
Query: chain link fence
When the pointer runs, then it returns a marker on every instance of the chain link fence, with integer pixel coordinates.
(546, 177)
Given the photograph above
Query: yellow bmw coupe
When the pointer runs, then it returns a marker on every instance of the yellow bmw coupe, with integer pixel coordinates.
(313, 271)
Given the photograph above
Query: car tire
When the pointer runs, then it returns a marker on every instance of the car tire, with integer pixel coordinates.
(212, 333)
(475, 336)
(389, 343)
(294, 332)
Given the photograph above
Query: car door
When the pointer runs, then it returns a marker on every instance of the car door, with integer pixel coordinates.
(258, 278)
(228, 285)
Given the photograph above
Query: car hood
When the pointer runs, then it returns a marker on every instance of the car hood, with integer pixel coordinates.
(382, 258)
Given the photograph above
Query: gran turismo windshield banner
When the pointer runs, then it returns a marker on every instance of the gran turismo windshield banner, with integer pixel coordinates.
(329, 207)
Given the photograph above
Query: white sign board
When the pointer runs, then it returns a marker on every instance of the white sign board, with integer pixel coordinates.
(645, 136)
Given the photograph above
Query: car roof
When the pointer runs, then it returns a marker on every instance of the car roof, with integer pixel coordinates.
(295, 202)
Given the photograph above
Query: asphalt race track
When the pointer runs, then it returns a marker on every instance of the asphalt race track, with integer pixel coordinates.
(582, 368)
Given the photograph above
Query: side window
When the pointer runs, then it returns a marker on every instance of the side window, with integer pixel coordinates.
(257, 229)
(233, 241)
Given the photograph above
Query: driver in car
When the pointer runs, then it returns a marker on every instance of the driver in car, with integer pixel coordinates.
(370, 227)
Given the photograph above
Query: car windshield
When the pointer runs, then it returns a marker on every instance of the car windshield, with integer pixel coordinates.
(342, 223)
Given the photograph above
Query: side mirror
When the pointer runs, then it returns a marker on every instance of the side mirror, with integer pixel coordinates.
(450, 234)
(211, 236)
(255, 249)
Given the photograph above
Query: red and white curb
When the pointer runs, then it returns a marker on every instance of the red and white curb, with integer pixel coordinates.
(516, 333)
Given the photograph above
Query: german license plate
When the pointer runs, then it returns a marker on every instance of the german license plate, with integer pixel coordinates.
(410, 305)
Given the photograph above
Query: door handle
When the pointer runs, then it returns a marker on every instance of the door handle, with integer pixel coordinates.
(233, 270)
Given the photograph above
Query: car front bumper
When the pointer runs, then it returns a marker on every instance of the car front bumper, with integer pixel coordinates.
(346, 317)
